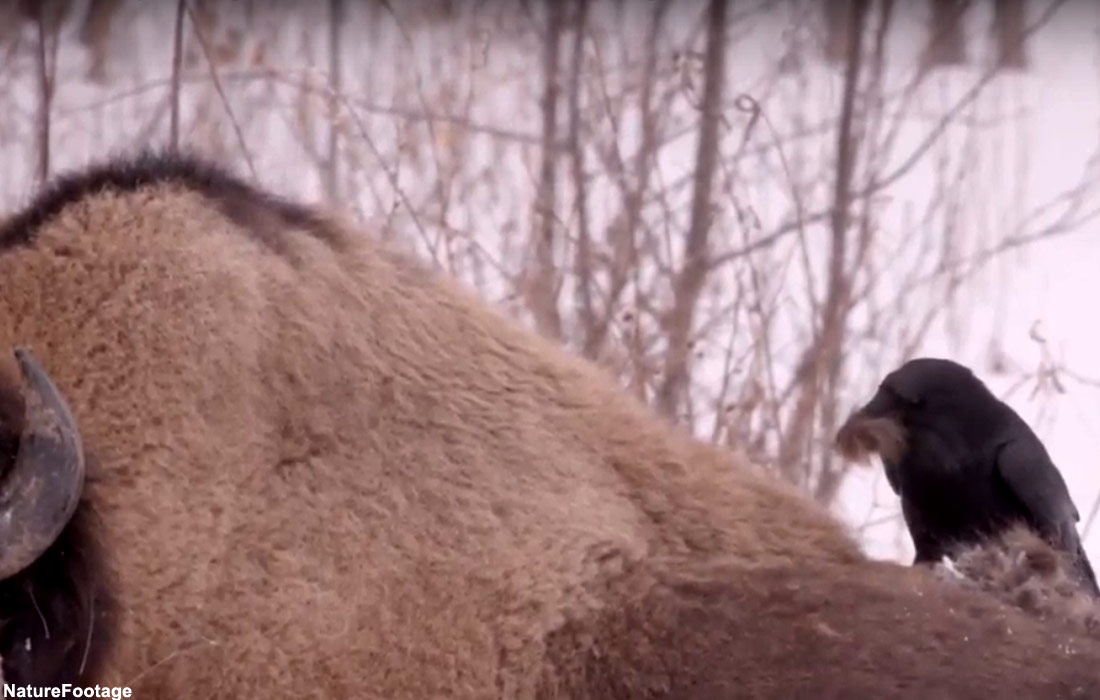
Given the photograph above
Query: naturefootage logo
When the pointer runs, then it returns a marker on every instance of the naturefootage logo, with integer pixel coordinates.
(66, 691)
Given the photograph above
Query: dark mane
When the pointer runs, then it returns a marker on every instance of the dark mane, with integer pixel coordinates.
(261, 213)
(57, 616)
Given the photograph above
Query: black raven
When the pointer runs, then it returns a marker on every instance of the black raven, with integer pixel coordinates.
(965, 465)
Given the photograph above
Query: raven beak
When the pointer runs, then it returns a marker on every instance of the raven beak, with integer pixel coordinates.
(880, 406)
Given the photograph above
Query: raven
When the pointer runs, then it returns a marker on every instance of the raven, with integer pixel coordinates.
(965, 465)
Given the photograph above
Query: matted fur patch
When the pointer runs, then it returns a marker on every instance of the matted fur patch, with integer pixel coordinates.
(1022, 570)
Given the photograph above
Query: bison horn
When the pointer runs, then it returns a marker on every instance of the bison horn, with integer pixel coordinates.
(40, 492)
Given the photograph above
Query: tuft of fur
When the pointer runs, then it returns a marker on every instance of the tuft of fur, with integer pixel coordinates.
(861, 436)
(260, 214)
(1021, 569)
(321, 470)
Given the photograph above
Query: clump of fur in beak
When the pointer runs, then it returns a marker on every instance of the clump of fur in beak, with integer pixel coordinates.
(863, 435)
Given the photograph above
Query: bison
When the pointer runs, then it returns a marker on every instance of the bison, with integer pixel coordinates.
(248, 452)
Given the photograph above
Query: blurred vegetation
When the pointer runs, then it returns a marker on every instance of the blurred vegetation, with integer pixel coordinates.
(745, 211)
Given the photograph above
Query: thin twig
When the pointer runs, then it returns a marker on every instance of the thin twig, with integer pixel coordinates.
(212, 66)
(177, 68)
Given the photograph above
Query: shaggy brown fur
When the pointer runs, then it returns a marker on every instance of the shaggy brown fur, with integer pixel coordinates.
(324, 473)
(861, 436)
(1023, 570)
(11, 418)
(825, 630)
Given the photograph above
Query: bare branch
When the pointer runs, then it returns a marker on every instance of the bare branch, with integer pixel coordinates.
(823, 358)
(689, 281)
(47, 18)
(177, 66)
(584, 233)
(213, 68)
(543, 292)
(331, 169)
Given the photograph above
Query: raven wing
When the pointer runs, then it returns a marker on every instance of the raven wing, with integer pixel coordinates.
(1025, 467)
